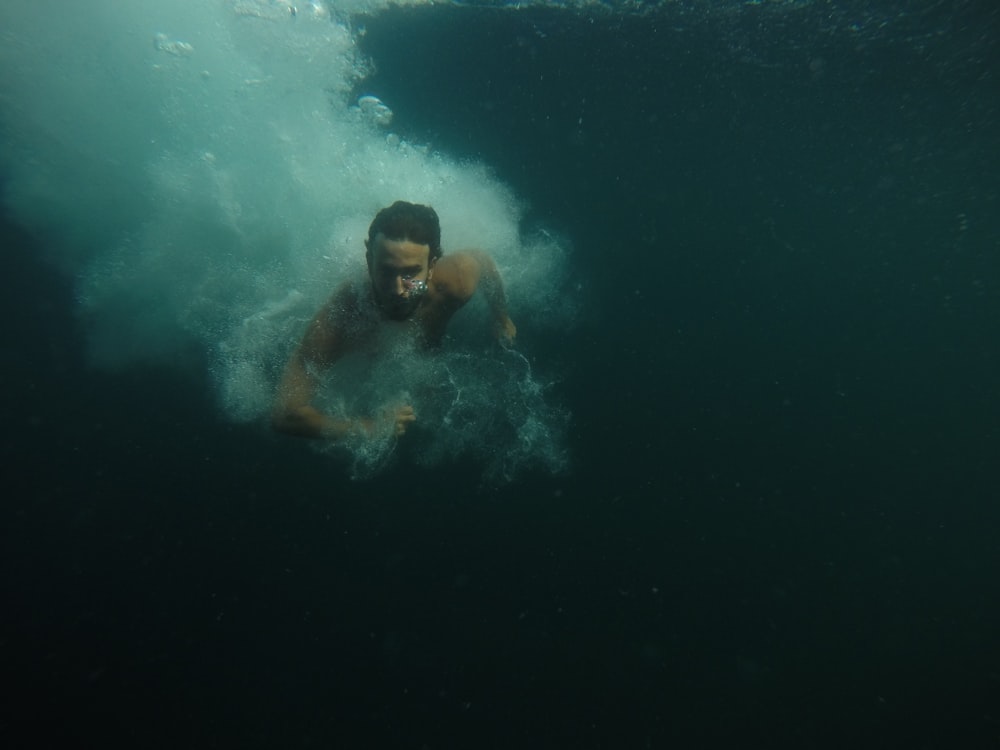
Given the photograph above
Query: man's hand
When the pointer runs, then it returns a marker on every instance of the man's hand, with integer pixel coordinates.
(393, 420)
(402, 416)
(505, 331)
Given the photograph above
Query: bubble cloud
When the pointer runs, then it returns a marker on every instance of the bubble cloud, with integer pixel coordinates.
(202, 170)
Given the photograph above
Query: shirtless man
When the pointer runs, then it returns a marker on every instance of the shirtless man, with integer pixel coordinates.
(410, 281)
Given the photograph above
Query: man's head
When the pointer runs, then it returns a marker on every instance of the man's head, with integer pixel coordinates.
(404, 242)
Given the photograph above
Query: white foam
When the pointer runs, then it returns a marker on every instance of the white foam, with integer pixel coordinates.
(200, 168)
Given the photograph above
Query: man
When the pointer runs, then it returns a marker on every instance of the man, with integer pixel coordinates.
(411, 283)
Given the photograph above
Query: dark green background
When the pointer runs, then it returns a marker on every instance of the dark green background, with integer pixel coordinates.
(780, 526)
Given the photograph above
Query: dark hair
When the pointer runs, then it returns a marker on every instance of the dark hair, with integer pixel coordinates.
(408, 221)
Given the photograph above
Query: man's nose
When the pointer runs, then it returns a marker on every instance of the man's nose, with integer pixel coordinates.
(398, 286)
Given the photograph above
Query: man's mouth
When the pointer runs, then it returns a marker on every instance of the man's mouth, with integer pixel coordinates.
(401, 307)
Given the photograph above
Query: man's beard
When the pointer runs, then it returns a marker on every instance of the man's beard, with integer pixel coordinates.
(400, 308)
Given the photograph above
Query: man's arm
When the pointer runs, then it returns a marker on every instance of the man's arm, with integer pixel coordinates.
(476, 269)
(323, 344)
(293, 412)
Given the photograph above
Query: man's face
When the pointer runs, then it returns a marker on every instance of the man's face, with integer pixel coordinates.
(399, 271)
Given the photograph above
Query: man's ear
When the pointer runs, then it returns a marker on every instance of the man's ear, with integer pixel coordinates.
(430, 267)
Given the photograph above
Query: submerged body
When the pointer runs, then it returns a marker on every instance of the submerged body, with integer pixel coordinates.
(411, 285)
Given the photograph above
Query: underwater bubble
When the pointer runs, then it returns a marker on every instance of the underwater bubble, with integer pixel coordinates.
(375, 110)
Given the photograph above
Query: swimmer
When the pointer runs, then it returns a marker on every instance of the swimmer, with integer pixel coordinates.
(411, 284)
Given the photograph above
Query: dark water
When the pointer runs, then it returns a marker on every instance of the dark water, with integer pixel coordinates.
(780, 528)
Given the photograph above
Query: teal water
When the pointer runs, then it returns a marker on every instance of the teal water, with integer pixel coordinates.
(780, 225)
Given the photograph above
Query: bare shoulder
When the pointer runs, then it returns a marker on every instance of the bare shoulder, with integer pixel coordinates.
(457, 274)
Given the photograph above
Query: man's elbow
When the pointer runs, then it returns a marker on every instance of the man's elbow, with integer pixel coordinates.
(283, 419)
(301, 421)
